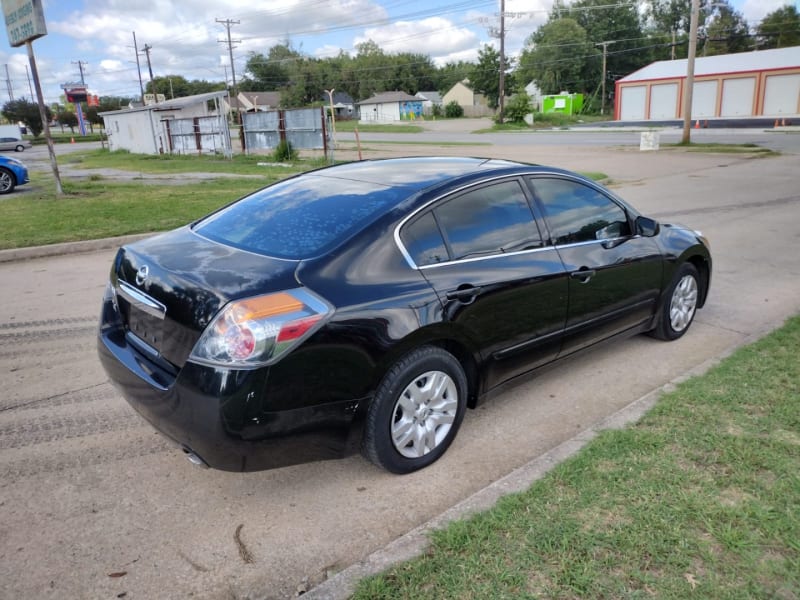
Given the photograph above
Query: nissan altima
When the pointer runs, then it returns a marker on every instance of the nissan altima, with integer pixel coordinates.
(366, 306)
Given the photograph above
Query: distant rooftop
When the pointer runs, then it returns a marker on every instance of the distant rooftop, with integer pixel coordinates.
(779, 58)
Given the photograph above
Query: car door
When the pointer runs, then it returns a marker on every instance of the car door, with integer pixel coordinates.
(614, 276)
(499, 285)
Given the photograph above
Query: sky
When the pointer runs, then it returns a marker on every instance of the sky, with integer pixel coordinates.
(186, 38)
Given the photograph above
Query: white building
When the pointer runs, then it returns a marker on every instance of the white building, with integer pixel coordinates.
(181, 125)
(390, 107)
(765, 83)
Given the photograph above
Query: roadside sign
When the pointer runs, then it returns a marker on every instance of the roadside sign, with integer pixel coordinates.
(24, 21)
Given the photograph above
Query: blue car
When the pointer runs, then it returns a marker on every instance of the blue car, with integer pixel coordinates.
(12, 173)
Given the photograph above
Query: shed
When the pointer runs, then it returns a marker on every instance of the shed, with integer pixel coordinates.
(765, 83)
(388, 107)
(181, 125)
(429, 100)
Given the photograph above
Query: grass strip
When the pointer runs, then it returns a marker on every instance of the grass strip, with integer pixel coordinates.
(700, 499)
(99, 209)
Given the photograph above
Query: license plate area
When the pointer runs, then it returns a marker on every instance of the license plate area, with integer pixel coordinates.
(146, 327)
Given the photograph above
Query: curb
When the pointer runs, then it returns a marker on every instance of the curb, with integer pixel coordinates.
(19, 254)
(414, 543)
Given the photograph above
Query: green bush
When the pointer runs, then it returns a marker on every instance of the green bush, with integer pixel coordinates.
(518, 107)
(436, 110)
(284, 152)
(453, 110)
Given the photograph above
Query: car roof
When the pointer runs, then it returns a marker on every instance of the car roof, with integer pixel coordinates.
(413, 173)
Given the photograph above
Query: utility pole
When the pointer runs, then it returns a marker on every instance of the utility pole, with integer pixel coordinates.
(603, 81)
(138, 67)
(146, 50)
(8, 84)
(228, 23)
(502, 91)
(30, 85)
(689, 84)
(80, 64)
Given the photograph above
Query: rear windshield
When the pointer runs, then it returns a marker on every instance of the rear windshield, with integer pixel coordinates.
(301, 217)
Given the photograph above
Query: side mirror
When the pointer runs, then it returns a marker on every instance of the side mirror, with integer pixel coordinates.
(647, 227)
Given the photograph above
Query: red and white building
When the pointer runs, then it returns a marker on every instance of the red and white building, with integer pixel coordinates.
(765, 83)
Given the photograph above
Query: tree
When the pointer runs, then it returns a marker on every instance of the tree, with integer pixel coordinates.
(485, 76)
(780, 28)
(67, 118)
(273, 71)
(556, 57)
(177, 86)
(617, 22)
(727, 32)
(27, 112)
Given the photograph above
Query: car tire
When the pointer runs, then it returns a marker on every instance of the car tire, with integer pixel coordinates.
(7, 181)
(20, 148)
(680, 305)
(416, 412)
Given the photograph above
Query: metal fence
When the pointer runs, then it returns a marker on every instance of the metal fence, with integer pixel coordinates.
(303, 128)
(198, 135)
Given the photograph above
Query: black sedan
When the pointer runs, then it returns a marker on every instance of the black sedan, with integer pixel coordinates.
(367, 305)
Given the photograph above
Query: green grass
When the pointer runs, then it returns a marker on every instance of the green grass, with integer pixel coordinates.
(701, 499)
(240, 164)
(352, 125)
(99, 208)
(65, 137)
(544, 121)
(724, 148)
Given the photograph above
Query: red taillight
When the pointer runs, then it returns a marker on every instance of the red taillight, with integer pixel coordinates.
(295, 329)
(255, 331)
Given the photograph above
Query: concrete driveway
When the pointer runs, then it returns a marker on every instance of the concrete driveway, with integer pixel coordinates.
(95, 505)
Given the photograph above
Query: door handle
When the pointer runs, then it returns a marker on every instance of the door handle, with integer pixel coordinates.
(584, 275)
(465, 295)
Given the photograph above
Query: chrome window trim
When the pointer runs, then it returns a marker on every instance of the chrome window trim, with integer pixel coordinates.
(488, 257)
(141, 300)
(588, 242)
(399, 243)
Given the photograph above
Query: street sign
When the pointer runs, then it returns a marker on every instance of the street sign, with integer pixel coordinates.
(24, 20)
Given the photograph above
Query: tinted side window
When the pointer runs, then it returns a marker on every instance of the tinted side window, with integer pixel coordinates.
(578, 213)
(493, 219)
(424, 242)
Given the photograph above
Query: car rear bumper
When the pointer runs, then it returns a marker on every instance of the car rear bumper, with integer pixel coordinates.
(220, 416)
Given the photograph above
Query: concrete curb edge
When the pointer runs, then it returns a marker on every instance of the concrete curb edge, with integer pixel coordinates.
(19, 254)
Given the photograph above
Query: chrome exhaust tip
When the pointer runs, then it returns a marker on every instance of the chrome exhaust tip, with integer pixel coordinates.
(194, 459)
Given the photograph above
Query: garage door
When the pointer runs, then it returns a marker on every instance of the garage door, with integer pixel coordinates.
(664, 101)
(633, 103)
(737, 97)
(704, 99)
(782, 95)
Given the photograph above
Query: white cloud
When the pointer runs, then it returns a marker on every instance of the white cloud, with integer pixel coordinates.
(755, 10)
(434, 36)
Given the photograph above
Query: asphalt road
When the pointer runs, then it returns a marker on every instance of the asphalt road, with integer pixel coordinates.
(94, 504)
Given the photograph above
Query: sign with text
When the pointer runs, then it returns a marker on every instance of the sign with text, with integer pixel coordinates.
(24, 20)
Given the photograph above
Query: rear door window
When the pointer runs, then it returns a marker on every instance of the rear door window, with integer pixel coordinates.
(492, 219)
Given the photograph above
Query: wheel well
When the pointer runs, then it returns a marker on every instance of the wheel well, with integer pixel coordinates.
(701, 264)
(463, 356)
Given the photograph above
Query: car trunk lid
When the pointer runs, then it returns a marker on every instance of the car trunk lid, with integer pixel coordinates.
(169, 288)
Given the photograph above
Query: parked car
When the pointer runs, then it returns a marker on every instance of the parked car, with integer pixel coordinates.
(367, 305)
(12, 173)
(10, 143)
